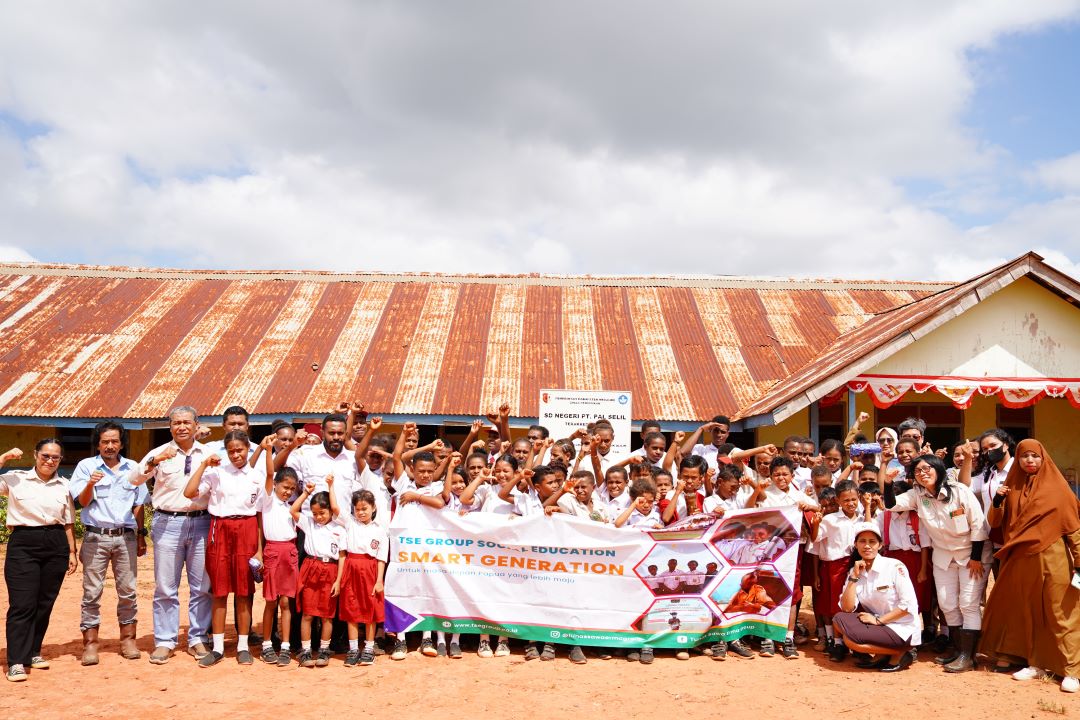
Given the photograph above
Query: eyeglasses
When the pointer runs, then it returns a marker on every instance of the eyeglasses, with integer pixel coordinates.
(924, 470)
(50, 458)
(885, 441)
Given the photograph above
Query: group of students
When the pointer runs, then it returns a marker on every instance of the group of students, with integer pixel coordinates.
(894, 538)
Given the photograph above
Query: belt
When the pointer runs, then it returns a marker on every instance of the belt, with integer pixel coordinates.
(189, 513)
(328, 561)
(110, 532)
(39, 528)
(233, 517)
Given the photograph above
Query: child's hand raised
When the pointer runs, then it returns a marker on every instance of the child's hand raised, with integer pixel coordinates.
(636, 460)
(267, 443)
(212, 460)
(309, 488)
(771, 450)
(477, 426)
(504, 447)
(856, 467)
(409, 427)
(890, 475)
(300, 438)
(548, 442)
(504, 410)
(455, 459)
(330, 480)
(538, 445)
(375, 423)
(438, 445)
(478, 445)
(680, 436)
(526, 474)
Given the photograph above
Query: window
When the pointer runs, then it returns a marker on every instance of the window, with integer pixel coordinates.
(1018, 422)
(944, 422)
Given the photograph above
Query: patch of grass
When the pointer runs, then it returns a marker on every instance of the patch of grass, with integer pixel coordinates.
(1051, 707)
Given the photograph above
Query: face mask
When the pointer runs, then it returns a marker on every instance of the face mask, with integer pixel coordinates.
(996, 455)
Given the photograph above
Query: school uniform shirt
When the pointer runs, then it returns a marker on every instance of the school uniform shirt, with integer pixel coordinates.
(528, 503)
(114, 497)
(671, 579)
(495, 504)
(694, 580)
(952, 525)
(277, 522)
(801, 480)
(902, 535)
(324, 542)
(652, 520)
(374, 483)
(572, 506)
(885, 587)
(984, 486)
(754, 553)
(171, 477)
(708, 452)
(312, 464)
(233, 490)
(835, 536)
(33, 502)
(775, 497)
(735, 502)
(367, 539)
(653, 582)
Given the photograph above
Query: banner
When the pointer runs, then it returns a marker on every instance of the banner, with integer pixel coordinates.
(570, 580)
(564, 411)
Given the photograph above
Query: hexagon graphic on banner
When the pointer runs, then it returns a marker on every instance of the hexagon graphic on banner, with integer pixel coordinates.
(678, 568)
(750, 591)
(762, 539)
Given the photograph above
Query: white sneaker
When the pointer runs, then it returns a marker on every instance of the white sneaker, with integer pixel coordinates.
(1028, 673)
(1070, 685)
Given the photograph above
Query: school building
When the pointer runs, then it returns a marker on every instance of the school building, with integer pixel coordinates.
(780, 356)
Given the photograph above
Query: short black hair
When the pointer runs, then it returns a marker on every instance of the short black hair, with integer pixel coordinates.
(722, 420)
(423, 456)
(334, 417)
(544, 433)
(233, 410)
(105, 426)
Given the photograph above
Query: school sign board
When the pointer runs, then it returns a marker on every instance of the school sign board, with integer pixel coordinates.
(574, 581)
(564, 411)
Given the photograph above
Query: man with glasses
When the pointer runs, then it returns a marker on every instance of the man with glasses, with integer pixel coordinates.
(179, 533)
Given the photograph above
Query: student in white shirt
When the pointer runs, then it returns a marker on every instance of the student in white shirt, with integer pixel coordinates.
(832, 540)
(729, 493)
(577, 497)
(279, 558)
(719, 428)
(642, 512)
(613, 492)
(359, 584)
(958, 530)
(234, 489)
(324, 550)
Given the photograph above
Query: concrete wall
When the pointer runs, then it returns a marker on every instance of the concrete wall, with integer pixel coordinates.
(1023, 330)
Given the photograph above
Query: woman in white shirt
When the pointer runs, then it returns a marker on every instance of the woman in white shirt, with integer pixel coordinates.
(958, 530)
(879, 610)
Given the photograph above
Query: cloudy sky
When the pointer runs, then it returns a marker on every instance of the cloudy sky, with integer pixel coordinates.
(924, 139)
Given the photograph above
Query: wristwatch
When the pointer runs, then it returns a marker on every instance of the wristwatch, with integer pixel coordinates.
(851, 579)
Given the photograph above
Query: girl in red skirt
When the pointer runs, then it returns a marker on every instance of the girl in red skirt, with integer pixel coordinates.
(234, 488)
(833, 539)
(904, 539)
(324, 545)
(359, 583)
(278, 556)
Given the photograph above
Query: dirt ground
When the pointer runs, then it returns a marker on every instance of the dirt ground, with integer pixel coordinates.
(493, 688)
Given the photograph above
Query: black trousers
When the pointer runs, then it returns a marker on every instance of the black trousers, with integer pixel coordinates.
(37, 560)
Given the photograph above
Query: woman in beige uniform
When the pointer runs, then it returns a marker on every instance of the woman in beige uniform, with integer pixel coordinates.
(1033, 614)
(40, 551)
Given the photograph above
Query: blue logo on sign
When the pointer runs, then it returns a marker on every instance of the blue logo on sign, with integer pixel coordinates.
(623, 399)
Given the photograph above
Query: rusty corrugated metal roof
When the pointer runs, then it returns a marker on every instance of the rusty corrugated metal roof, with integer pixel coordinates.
(88, 341)
(895, 321)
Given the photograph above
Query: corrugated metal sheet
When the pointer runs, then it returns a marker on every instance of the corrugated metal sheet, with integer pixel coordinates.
(121, 342)
(911, 310)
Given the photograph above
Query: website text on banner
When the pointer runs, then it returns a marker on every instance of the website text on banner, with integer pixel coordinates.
(564, 411)
(573, 581)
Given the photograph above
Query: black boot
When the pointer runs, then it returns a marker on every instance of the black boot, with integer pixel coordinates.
(953, 651)
(966, 659)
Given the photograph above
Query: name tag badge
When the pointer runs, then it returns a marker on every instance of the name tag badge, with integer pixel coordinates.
(882, 588)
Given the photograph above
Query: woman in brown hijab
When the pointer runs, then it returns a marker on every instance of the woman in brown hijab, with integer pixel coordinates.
(1033, 614)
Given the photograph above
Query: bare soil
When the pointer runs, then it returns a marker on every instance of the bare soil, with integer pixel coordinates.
(810, 686)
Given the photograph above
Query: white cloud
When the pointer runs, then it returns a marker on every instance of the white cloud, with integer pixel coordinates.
(611, 137)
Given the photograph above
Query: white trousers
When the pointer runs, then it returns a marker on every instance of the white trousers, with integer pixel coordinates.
(960, 596)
